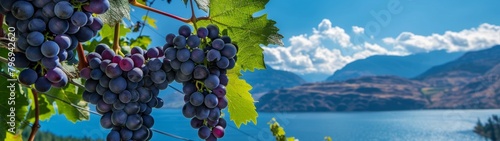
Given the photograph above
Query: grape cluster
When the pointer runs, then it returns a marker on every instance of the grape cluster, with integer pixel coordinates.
(124, 90)
(47, 32)
(200, 62)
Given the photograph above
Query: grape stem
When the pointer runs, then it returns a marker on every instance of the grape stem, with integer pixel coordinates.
(116, 40)
(193, 16)
(36, 124)
(82, 63)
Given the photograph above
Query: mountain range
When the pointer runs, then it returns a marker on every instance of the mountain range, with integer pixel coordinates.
(469, 81)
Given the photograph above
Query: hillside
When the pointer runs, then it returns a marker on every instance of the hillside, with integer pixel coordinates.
(469, 82)
(271, 79)
(402, 66)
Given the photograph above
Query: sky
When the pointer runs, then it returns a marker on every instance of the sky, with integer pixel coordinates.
(323, 36)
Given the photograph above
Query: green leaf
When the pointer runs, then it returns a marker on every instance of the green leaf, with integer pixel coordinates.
(290, 139)
(66, 97)
(142, 41)
(247, 31)
(109, 31)
(185, 1)
(45, 107)
(118, 10)
(151, 22)
(142, 2)
(11, 100)
(241, 103)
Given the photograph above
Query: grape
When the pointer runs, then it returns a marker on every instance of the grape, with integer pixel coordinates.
(23, 25)
(200, 72)
(138, 60)
(197, 55)
(50, 63)
(158, 76)
(20, 60)
(132, 108)
(220, 91)
(6, 4)
(214, 115)
(187, 67)
(154, 64)
(119, 118)
(152, 53)
(222, 103)
(204, 132)
(218, 131)
(229, 50)
(160, 103)
(116, 59)
(218, 44)
(193, 41)
(79, 19)
(166, 65)
(196, 99)
(210, 122)
(213, 31)
(180, 41)
(97, 6)
(144, 95)
(148, 121)
(232, 63)
(91, 84)
(104, 81)
(35, 38)
(55, 75)
(27, 77)
(113, 136)
(118, 84)
(213, 55)
(211, 138)
(84, 34)
(113, 70)
(189, 88)
(196, 123)
(95, 63)
(118, 105)
(22, 43)
(42, 85)
(135, 50)
(63, 41)
(100, 90)
(109, 97)
(171, 53)
(58, 26)
(126, 134)
(141, 134)
(212, 81)
(127, 64)
(50, 49)
(176, 64)
(226, 39)
(96, 74)
(106, 121)
(202, 32)
(125, 96)
(96, 24)
(223, 63)
(48, 10)
(211, 101)
(188, 110)
(134, 122)
(183, 54)
(63, 10)
(36, 25)
(132, 85)
(85, 73)
(135, 75)
(22, 10)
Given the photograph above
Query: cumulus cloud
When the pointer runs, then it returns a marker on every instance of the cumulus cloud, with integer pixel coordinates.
(326, 50)
(484, 36)
(358, 30)
(329, 47)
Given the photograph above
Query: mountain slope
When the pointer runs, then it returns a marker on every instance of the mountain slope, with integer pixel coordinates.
(271, 79)
(403, 66)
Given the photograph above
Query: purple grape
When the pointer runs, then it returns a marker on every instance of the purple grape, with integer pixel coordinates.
(35, 38)
(171, 53)
(22, 10)
(58, 26)
(42, 84)
(196, 123)
(127, 64)
(118, 84)
(183, 54)
(180, 41)
(213, 55)
(116, 59)
(170, 38)
(125, 96)
(158, 77)
(37, 25)
(135, 75)
(97, 6)
(108, 54)
(188, 110)
(204, 132)
(152, 53)
(27, 77)
(212, 81)
(213, 31)
(224, 80)
(50, 63)
(79, 19)
(138, 60)
(218, 131)
(211, 101)
(222, 103)
(223, 63)
(218, 44)
(193, 41)
(50, 49)
(63, 10)
(113, 70)
(138, 50)
(85, 73)
(197, 55)
(220, 91)
(202, 32)
(84, 34)
(196, 99)
(63, 41)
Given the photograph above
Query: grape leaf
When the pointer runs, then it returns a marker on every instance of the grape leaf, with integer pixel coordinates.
(69, 94)
(247, 31)
(142, 41)
(109, 31)
(203, 4)
(20, 106)
(241, 106)
(118, 10)
(151, 22)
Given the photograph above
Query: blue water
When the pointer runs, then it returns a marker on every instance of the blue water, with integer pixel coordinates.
(418, 125)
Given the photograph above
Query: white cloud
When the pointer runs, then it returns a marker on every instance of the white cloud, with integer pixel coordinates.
(329, 48)
(325, 51)
(358, 30)
(484, 36)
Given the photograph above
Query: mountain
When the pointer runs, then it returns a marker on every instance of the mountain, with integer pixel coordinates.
(271, 79)
(459, 71)
(369, 93)
(471, 81)
(403, 66)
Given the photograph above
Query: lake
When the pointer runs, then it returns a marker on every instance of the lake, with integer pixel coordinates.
(417, 125)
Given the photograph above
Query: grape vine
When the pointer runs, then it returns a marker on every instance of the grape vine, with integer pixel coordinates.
(64, 49)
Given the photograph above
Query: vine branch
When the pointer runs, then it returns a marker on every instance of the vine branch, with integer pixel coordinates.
(193, 16)
(135, 3)
(116, 40)
(2, 33)
(36, 125)
(82, 63)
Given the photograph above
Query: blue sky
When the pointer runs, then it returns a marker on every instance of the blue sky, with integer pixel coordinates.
(323, 36)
